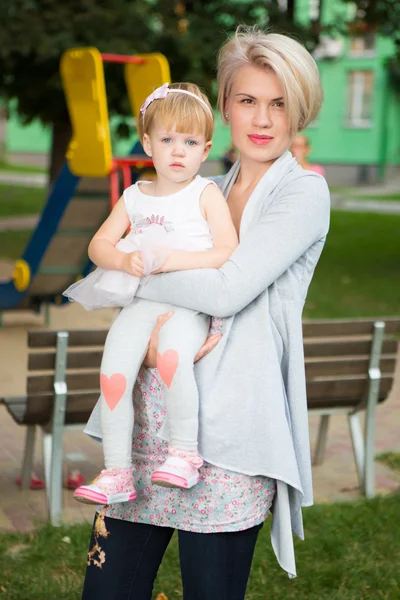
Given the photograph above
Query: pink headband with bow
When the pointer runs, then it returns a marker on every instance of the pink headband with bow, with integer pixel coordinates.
(163, 91)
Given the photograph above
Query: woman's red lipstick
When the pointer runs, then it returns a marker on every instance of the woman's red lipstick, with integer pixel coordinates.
(260, 140)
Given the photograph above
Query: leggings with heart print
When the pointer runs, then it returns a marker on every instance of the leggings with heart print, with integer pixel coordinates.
(126, 345)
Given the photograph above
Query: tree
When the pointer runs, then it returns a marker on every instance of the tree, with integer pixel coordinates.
(34, 33)
(382, 16)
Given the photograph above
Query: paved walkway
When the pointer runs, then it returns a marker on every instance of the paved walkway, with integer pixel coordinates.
(18, 223)
(335, 480)
(339, 202)
(24, 179)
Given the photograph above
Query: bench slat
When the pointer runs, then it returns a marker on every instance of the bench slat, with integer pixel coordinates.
(77, 337)
(352, 388)
(37, 384)
(345, 327)
(16, 407)
(45, 361)
(345, 347)
(79, 406)
(346, 366)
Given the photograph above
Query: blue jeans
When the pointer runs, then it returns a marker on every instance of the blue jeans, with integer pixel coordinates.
(214, 566)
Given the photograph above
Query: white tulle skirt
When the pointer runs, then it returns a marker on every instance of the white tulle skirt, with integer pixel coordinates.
(105, 289)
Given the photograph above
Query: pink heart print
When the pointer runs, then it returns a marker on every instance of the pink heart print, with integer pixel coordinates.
(167, 364)
(113, 388)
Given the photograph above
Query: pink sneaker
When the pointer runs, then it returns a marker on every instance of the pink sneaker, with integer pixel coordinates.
(180, 470)
(110, 487)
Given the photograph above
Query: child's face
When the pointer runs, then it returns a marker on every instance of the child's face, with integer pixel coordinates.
(177, 156)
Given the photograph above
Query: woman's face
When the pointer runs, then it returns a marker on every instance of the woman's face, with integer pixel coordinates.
(257, 115)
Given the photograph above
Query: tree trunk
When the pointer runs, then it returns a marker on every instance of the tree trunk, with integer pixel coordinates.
(290, 10)
(61, 135)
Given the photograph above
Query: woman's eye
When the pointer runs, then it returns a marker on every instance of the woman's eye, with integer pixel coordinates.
(166, 140)
(246, 101)
(280, 104)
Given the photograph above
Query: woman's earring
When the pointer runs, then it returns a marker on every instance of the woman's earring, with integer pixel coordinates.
(226, 116)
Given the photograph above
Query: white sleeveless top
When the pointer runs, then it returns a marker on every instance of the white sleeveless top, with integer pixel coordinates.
(159, 224)
(178, 216)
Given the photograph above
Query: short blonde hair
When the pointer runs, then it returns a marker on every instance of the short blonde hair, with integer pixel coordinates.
(290, 61)
(182, 111)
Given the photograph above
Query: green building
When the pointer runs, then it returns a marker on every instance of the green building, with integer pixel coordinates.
(357, 134)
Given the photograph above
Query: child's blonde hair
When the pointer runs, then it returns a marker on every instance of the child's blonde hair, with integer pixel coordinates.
(288, 59)
(181, 111)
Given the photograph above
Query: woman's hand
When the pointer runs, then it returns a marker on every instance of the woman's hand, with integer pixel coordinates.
(132, 264)
(150, 360)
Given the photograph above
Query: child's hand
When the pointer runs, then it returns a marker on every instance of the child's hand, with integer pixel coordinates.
(210, 343)
(132, 263)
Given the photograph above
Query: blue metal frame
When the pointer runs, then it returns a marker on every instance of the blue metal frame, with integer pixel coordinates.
(62, 192)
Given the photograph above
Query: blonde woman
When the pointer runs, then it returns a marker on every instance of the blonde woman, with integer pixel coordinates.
(253, 429)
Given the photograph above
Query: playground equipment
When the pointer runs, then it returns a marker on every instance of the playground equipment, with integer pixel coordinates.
(89, 182)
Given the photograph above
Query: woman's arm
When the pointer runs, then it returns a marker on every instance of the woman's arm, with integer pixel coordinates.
(215, 210)
(285, 232)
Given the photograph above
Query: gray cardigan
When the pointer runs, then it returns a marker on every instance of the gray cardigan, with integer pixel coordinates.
(253, 408)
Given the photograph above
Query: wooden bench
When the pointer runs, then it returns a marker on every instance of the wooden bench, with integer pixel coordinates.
(62, 389)
(349, 368)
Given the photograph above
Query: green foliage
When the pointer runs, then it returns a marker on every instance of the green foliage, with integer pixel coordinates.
(191, 36)
(382, 16)
(390, 459)
(34, 34)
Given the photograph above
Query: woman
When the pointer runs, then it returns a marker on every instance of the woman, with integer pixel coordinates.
(253, 414)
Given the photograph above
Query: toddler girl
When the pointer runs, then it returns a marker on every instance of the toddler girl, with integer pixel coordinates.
(178, 221)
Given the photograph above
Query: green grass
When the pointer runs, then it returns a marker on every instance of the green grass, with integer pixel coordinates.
(21, 201)
(358, 273)
(12, 243)
(5, 166)
(351, 552)
(390, 459)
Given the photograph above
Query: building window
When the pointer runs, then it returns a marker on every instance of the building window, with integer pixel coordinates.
(363, 44)
(360, 86)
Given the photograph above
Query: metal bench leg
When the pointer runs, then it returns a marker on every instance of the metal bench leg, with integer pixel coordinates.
(321, 440)
(47, 443)
(56, 477)
(27, 462)
(357, 441)
(374, 375)
(369, 464)
(58, 420)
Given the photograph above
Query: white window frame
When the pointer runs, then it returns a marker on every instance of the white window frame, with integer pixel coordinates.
(354, 111)
(362, 52)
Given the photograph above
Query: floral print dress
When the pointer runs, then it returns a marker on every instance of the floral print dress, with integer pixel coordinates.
(222, 501)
